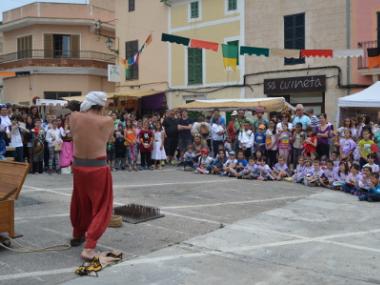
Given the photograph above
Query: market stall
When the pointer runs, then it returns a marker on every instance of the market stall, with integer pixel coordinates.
(365, 102)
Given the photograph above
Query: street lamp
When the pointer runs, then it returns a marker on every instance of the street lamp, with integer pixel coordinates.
(110, 44)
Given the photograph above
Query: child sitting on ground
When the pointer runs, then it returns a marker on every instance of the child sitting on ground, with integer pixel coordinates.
(280, 169)
(364, 183)
(312, 178)
(216, 167)
(373, 194)
(371, 163)
(230, 163)
(299, 173)
(203, 162)
(240, 165)
(250, 171)
(265, 172)
(340, 176)
(352, 179)
(328, 175)
(334, 157)
(189, 157)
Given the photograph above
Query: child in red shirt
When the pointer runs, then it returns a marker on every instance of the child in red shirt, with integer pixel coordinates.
(310, 143)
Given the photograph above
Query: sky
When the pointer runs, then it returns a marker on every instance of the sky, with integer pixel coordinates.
(11, 4)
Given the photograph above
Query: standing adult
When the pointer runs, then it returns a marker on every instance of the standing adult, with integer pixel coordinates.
(170, 125)
(231, 131)
(91, 203)
(260, 120)
(285, 120)
(217, 118)
(314, 121)
(240, 120)
(300, 117)
(185, 138)
(5, 124)
(323, 132)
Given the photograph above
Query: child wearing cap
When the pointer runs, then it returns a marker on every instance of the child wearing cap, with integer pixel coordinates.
(260, 138)
(240, 165)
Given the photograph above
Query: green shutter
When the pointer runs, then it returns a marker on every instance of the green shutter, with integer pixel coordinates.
(131, 48)
(195, 67)
(232, 5)
(194, 10)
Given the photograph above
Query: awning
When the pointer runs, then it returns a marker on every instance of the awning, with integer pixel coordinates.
(269, 104)
(46, 102)
(81, 98)
(136, 94)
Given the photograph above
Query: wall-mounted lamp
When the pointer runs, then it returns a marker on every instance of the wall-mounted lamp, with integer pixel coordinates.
(110, 45)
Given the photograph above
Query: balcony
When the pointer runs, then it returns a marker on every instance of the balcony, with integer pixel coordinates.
(363, 61)
(56, 58)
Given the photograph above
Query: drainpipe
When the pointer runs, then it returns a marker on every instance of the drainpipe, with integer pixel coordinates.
(348, 40)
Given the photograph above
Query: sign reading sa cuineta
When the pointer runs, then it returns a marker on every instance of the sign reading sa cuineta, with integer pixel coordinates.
(295, 84)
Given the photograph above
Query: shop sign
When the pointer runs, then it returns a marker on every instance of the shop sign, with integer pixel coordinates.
(295, 84)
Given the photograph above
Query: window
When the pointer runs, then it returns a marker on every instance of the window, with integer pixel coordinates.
(194, 66)
(24, 47)
(294, 36)
(235, 43)
(194, 10)
(378, 28)
(131, 48)
(131, 5)
(56, 95)
(231, 5)
(57, 46)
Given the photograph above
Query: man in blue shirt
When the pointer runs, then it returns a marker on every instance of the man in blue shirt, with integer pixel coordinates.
(300, 117)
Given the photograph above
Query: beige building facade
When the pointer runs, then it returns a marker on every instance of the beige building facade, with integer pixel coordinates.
(135, 21)
(301, 24)
(56, 50)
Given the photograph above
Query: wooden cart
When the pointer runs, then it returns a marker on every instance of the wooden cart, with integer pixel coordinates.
(12, 177)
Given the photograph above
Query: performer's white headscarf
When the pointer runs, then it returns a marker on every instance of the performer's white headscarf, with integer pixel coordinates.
(94, 98)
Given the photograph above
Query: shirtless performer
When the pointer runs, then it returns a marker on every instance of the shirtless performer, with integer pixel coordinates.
(91, 203)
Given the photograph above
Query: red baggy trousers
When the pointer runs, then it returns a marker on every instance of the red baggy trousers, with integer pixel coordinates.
(91, 203)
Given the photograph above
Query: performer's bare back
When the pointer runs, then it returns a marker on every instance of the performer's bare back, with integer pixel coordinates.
(91, 133)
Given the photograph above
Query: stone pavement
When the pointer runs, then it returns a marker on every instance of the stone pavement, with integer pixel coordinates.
(216, 231)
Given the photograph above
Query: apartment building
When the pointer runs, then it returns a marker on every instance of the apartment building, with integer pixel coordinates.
(199, 73)
(56, 50)
(306, 24)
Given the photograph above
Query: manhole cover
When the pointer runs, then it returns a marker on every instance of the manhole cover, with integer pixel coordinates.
(23, 201)
(134, 213)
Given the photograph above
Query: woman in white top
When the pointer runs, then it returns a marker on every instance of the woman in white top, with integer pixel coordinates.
(284, 120)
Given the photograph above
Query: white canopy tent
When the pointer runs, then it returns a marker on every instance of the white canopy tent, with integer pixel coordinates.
(367, 98)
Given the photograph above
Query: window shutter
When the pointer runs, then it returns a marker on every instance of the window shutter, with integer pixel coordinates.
(48, 45)
(75, 46)
(194, 66)
(131, 48)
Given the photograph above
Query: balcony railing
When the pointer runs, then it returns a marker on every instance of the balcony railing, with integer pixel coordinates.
(57, 54)
(363, 61)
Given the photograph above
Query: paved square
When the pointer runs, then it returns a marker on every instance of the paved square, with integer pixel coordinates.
(216, 230)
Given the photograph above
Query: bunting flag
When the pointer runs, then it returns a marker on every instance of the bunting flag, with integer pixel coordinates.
(175, 39)
(230, 56)
(344, 53)
(373, 57)
(316, 53)
(149, 40)
(204, 44)
(287, 53)
(254, 51)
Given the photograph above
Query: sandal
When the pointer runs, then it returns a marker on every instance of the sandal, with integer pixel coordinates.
(87, 268)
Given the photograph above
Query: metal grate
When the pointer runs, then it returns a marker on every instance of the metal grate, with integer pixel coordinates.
(134, 213)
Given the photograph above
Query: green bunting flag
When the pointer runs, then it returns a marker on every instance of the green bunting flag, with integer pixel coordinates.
(254, 51)
(230, 56)
(175, 39)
